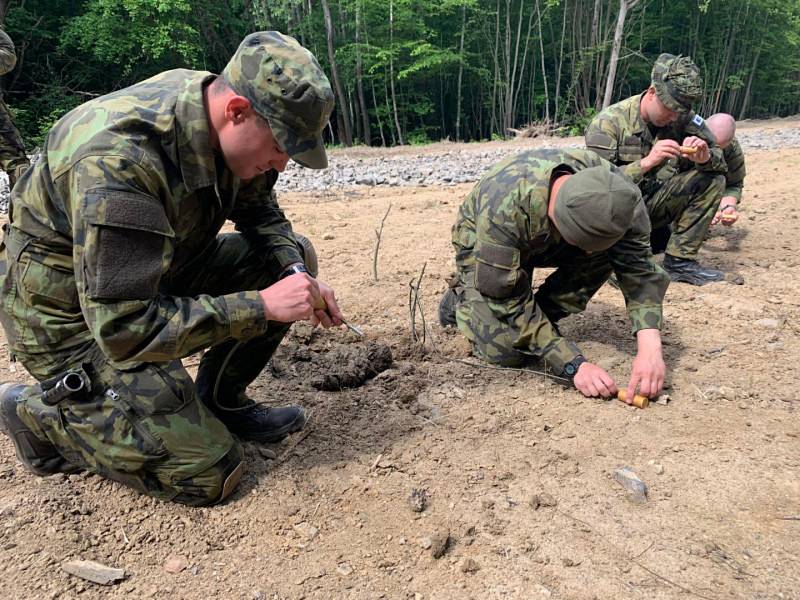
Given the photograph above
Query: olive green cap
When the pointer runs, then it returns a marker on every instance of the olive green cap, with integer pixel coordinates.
(595, 207)
(285, 84)
(677, 82)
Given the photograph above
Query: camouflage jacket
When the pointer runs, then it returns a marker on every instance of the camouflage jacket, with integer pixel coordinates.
(621, 136)
(8, 58)
(127, 191)
(506, 214)
(734, 178)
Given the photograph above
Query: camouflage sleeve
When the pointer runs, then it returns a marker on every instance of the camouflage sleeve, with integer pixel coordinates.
(642, 281)
(259, 218)
(603, 138)
(123, 246)
(500, 278)
(734, 179)
(8, 58)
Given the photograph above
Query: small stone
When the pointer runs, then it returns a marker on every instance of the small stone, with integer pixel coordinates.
(93, 571)
(344, 569)
(469, 565)
(637, 490)
(306, 530)
(426, 542)
(259, 595)
(568, 562)
(663, 399)
(659, 469)
(439, 542)
(768, 323)
(418, 499)
(175, 564)
(328, 236)
(266, 453)
(547, 500)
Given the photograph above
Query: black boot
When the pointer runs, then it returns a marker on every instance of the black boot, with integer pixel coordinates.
(258, 423)
(690, 271)
(447, 308)
(223, 376)
(659, 238)
(38, 456)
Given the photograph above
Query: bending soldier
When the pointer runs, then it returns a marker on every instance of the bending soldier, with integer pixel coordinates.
(723, 126)
(646, 135)
(567, 209)
(13, 159)
(113, 271)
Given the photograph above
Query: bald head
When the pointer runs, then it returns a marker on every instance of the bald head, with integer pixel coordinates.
(723, 126)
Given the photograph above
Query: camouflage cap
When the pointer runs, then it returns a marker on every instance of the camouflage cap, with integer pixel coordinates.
(677, 82)
(285, 84)
(595, 207)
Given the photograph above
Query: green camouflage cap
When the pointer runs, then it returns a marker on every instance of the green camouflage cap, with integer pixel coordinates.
(677, 81)
(595, 207)
(285, 84)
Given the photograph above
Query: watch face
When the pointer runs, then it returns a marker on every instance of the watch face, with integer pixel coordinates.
(569, 369)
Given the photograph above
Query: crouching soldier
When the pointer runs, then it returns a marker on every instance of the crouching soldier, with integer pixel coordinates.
(113, 270)
(567, 209)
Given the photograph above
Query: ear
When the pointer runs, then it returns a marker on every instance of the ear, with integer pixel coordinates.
(237, 109)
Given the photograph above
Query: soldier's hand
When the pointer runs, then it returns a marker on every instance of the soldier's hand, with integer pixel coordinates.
(647, 374)
(292, 299)
(727, 213)
(326, 312)
(662, 151)
(703, 154)
(593, 381)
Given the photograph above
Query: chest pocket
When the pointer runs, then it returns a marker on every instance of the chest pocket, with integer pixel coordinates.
(631, 149)
(128, 245)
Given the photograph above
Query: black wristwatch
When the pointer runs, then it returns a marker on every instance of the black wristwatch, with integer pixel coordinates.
(571, 368)
(296, 268)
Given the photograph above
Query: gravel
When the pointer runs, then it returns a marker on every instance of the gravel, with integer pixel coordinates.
(441, 165)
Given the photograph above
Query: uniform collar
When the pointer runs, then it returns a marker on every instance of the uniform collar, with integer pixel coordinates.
(195, 153)
(635, 116)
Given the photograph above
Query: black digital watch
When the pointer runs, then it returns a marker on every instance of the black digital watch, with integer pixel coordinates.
(571, 368)
(298, 268)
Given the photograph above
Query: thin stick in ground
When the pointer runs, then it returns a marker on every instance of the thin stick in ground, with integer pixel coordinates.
(378, 234)
(414, 304)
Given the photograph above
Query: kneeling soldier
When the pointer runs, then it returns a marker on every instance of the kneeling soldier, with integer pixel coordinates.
(113, 271)
(567, 209)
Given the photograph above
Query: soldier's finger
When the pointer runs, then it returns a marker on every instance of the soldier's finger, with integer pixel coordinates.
(323, 318)
(611, 386)
(632, 385)
(602, 388)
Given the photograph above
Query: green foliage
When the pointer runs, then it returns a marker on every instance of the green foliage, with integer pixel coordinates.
(72, 50)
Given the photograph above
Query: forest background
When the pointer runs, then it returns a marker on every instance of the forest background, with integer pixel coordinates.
(412, 71)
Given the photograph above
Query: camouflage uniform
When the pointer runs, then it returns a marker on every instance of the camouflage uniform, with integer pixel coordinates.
(13, 159)
(113, 268)
(679, 192)
(503, 232)
(734, 178)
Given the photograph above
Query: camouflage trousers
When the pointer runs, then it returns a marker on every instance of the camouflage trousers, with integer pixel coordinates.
(567, 290)
(152, 427)
(688, 201)
(13, 159)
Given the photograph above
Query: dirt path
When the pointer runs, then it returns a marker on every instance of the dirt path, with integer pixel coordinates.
(516, 470)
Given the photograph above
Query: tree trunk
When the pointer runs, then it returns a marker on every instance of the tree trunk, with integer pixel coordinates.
(460, 70)
(360, 82)
(391, 73)
(624, 6)
(345, 135)
(493, 123)
(544, 70)
(746, 99)
(560, 62)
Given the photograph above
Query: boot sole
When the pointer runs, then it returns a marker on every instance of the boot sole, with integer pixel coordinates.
(277, 435)
(680, 278)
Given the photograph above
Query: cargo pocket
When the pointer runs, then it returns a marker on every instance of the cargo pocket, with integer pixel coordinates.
(128, 245)
(49, 289)
(498, 273)
(165, 408)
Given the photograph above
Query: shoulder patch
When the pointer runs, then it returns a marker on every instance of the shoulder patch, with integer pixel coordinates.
(698, 120)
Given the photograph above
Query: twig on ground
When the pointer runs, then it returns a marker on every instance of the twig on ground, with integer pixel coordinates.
(413, 305)
(295, 443)
(378, 234)
(621, 553)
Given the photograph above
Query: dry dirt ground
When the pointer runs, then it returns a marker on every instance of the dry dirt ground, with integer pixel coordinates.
(516, 470)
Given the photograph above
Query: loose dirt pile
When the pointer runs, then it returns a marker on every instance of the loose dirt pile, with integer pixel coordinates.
(434, 478)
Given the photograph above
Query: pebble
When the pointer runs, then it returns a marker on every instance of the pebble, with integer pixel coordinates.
(418, 499)
(627, 478)
(93, 571)
(175, 564)
(344, 569)
(469, 565)
(439, 542)
(768, 323)
(306, 530)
